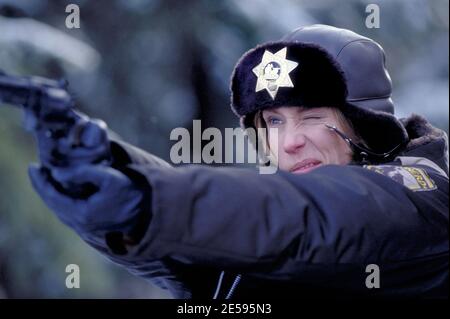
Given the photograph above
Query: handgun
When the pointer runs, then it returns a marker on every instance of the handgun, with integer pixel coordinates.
(49, 111)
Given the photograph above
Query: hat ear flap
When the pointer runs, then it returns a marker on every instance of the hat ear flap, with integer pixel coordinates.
(374, 126)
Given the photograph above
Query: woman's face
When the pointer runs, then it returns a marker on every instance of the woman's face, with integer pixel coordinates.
(304, 142)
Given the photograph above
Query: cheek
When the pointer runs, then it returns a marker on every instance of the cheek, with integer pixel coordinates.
(342, 151)
(273, 138)
(334, 149)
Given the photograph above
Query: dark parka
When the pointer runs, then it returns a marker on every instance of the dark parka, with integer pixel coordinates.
(291, 236)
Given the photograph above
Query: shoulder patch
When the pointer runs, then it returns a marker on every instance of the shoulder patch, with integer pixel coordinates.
(416, 179)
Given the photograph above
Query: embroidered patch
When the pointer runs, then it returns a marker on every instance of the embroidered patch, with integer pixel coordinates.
(416, 179)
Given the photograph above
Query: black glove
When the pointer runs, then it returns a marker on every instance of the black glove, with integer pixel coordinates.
(80, 141)
(112, 207)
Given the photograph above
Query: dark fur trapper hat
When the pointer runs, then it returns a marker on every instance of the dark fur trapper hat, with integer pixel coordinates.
(317, 80)
(325, 77)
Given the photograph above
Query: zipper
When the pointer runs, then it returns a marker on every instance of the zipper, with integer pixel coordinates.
(233, 287)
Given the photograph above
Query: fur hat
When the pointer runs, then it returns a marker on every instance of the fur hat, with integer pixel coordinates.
(334, 67)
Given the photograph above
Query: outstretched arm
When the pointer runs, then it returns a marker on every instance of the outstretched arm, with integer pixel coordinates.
(307, 228)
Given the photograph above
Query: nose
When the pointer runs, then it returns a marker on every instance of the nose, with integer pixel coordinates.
(293, 142)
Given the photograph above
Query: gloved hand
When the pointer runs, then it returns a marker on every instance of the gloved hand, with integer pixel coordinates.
(114, 206)
(84, 141)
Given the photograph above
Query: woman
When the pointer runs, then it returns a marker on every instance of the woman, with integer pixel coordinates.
(302, 140)
(357, 188)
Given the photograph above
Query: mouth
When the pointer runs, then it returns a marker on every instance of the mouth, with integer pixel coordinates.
(305, 166)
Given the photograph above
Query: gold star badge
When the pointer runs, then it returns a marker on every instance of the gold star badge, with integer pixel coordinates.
(273, 72)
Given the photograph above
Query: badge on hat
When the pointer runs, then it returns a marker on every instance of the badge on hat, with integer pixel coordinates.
(273, 72)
